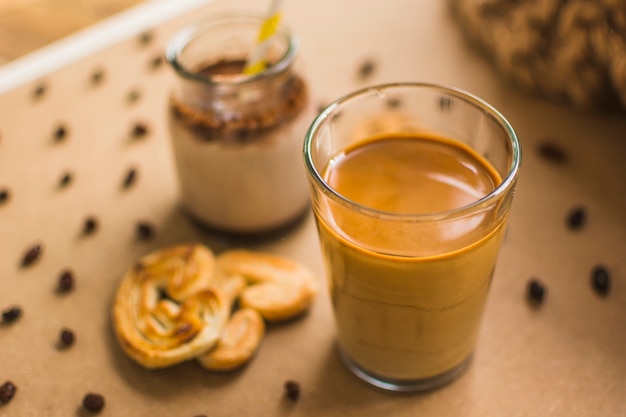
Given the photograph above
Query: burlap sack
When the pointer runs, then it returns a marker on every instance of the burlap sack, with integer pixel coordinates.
(567, 50)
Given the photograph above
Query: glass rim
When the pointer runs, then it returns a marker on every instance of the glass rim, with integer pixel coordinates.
(181, 39)
(508, 180)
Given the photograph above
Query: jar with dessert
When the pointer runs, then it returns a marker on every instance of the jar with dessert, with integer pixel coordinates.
(237, 137)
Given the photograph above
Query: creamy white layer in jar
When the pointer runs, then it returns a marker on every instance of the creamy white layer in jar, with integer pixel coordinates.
(244, 187)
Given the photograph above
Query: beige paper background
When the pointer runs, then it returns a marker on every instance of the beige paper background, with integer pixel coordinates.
(566, 358)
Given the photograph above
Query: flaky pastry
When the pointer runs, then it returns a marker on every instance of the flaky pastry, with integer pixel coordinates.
(238, 342)
(279, 288)
(166, 310)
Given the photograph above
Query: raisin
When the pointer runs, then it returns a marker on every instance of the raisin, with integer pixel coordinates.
(536, 291)
(66, 281)
(601, 280)
(292, 390)
(576, 218)
(7, 392)
(66, 338)
(32, 254)
(93, 402)
(11, 314)
(145, 230)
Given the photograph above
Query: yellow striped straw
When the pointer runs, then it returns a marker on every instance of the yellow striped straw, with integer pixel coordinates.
(257, 61)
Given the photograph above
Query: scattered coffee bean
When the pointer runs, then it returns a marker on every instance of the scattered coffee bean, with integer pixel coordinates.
(130, 178)
(393, 103)
(145, 38)
(93, 402)
(366, 69)
(7, 392)
(90, 225)
(66, 338)
(156, 62)
(601, 280)
(66, 179)
(39, 91)
(576, 218)
(292, 390)
(32, 254)
(5, 194)
(66, 281)
(60, 133)
(133, 96)
(11, 314)
(97, 77)
(140, 130)
(550, 151)
(445, 103)
(536, 291)
(145, 230)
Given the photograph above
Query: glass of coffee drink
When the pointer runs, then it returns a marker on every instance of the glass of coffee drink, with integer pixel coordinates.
(411, 187)
(237, 138)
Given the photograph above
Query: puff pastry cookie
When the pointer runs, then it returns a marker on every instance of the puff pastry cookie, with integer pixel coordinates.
(238, 342)
(166, 310)
(175, 305)
(278, 288)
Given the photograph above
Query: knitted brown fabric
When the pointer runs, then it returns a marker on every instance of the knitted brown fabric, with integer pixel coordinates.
(569, 50)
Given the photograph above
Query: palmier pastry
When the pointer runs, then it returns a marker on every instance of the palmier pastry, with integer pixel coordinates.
(238, 342)
(166, 310)
(279, 288)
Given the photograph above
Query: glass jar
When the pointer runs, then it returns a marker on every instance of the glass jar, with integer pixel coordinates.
(237, 139)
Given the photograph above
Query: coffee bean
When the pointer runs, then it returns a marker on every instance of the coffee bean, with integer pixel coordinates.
(66, 281)
(445, 103)
(66, 338)
(32, 254)
(90, 225)
(145, 38)
(11, 314)
(536, 291)
(60, 133)
(133, 96)
(576, 218)
(7, 392)
(97, 76)
(93, 402)
(145, 230)
(5, 194)
(292, 390)
(65, 180)
(130, 178)
(140, 130)
(393, 103)
(156, 62)
(552, 152)
(39, 91)
(601, 280)
(367, 68)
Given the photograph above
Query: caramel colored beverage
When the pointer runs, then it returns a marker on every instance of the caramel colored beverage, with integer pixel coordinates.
(411, 313)
(411, 185)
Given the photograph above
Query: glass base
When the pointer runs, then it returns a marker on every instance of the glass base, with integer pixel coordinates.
(405, 385)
